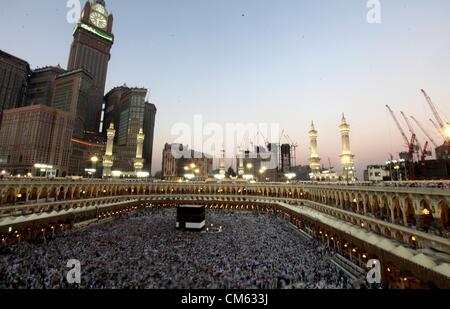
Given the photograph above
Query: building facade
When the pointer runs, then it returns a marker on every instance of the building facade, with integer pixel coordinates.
(41, 85)
(14, 75)
(86, 154)
(33, 135)
(71, 94)
(129, 111)
(90, 51)
(181, 162)
(377, 173)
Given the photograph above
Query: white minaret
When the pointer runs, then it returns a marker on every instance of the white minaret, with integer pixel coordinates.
(314, 160)
(346, 156)
(108, 157)
(241, 155)
(222, 162)
(139, 162)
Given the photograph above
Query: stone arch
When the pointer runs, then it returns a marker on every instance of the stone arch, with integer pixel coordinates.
(384, 209)
(377, 229)
(61, 194)
(410, 213)
(375, 205)
(397, 210)
(399, 236)
(76, 193)
(10, 196)
(34, 194)
(426, 215)
(444, 214)
(367, 204)
(44, 193)
(68, 195)
(22, 195)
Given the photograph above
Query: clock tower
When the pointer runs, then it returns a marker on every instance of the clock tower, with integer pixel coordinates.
(90, 51)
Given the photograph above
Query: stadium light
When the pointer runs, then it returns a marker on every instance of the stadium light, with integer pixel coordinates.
(290, 176)
(116, 173)
(142, 174)
(219, 176)
(189, 176)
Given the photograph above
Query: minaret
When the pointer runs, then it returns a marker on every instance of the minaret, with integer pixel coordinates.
(314, 160)
(241, 169)
(347, 156)
(108, 157)
(139, 162)
(222, 162)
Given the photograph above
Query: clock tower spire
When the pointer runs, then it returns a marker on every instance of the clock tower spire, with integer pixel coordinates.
(91, 51)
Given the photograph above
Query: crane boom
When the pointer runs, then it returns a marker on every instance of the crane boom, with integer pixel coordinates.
(398, 125)
(410, 128)
(434, 110)
(441, 132)
(424, 131)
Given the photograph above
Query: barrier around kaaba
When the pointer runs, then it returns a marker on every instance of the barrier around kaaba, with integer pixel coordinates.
(191, 217)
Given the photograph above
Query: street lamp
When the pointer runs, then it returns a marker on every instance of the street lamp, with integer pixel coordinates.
(94, 161)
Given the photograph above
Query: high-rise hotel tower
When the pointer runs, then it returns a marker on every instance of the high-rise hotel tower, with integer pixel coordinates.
(90, 51)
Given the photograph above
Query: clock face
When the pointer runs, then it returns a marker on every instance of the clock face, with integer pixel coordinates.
(99, 8)
(98, 20)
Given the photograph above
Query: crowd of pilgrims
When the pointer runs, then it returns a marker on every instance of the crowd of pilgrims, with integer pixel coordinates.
(144, 250)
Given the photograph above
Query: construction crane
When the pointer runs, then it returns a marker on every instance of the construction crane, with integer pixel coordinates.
(405, 138)
(424, 131)
(424, 151)
(440, 123)
(410, 144)
(438, 129)
(294, 147)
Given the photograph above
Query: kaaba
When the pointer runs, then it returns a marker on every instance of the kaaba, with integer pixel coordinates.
(191, 217)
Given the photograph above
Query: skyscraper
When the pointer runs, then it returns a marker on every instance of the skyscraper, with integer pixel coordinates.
(41, 85)
(90, 51)
(128, 109)
(71, 94)
(14, 75)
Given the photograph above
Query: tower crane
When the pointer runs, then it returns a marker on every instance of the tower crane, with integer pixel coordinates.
(410, 143)
(440, 123)
(424, 151)
(294, 147)
(424, 131)
(438, 129)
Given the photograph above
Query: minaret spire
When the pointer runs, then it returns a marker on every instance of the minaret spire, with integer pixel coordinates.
(314, 160)
(346, 156)
(108, 157)
(139, 162)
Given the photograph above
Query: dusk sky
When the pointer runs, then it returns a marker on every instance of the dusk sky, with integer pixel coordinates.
(264, 61)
